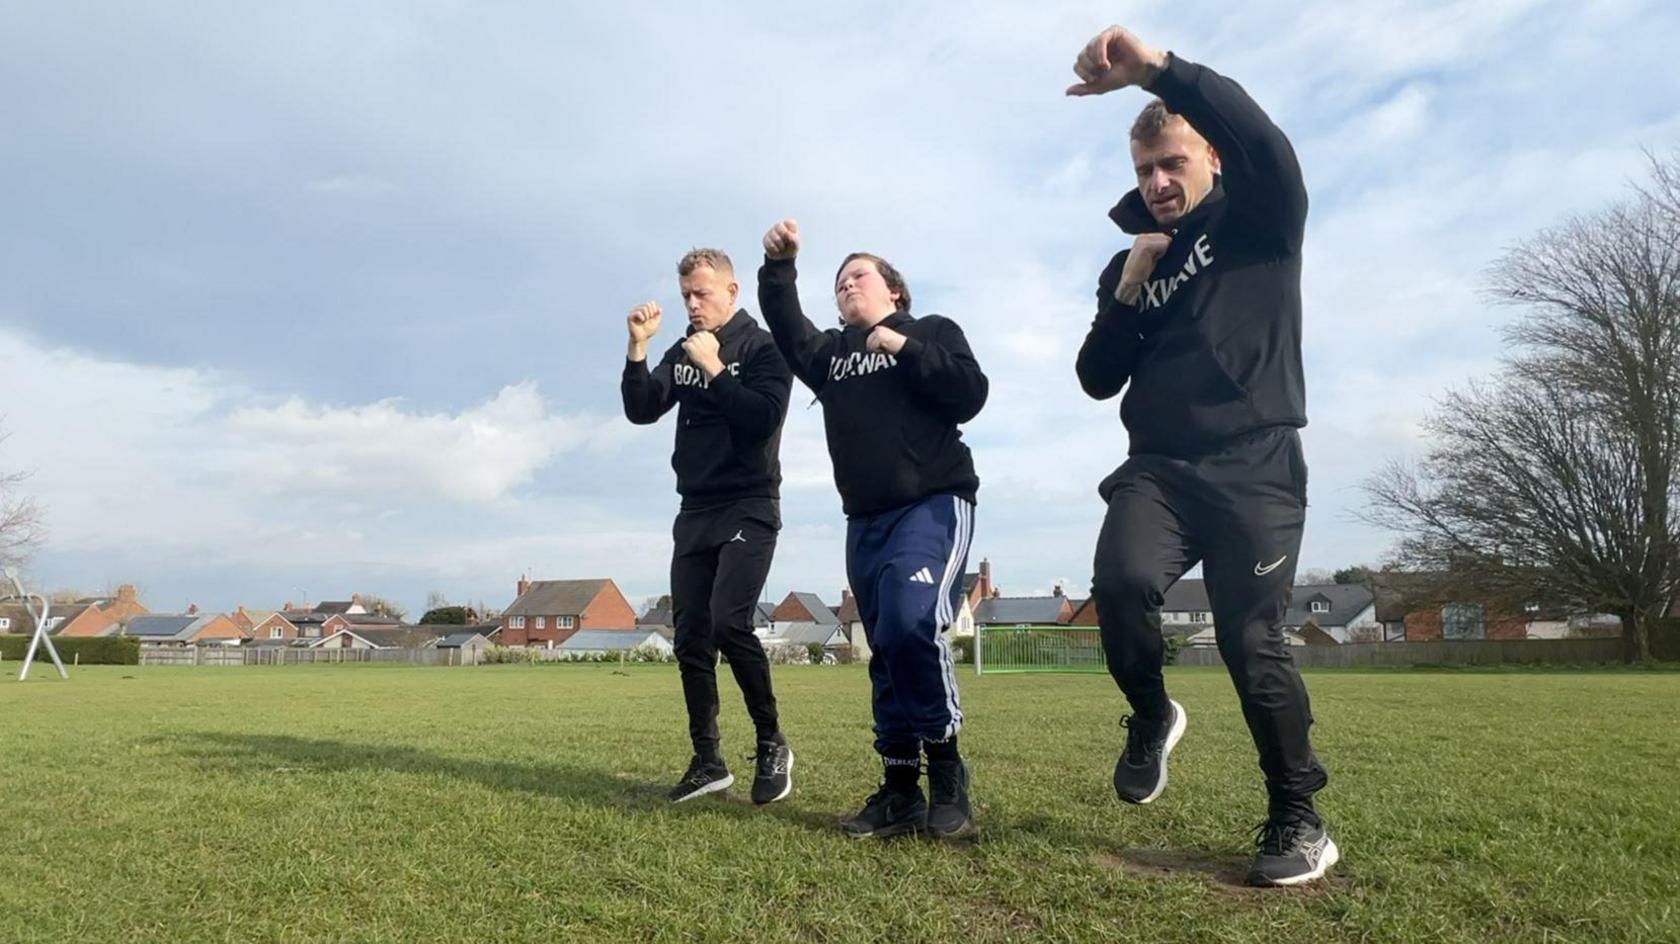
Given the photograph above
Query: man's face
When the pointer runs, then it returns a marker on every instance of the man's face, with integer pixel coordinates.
(862, 294)
(709, 296)
(1174, 171)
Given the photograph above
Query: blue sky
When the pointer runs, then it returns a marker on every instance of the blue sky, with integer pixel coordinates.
(313, 298)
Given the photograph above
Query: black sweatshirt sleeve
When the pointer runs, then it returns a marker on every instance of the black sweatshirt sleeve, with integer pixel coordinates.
(1257, 163)
(943, 368)
(806, 350)
(1109, 354)
(754, 403)
(647, 393)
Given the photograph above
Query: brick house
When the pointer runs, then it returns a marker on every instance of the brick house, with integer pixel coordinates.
(77, 619)
(266, 626)
(1345, 612)
(799, 607)
(343, 607)
(1185, 610)
(1464, 621)
(312, 625)
(191, 628)
(1053, 610)
(94, 616)
(548, 612)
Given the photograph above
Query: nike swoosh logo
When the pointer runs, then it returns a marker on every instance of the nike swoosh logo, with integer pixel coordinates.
(1261, 570)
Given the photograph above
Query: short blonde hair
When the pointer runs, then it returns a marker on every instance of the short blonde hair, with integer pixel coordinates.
(715, 259)
(1152, 121)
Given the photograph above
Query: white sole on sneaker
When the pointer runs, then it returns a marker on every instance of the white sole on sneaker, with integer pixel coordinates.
(789, 788)
(1331, 856)
(713, 787)
(1180, 722)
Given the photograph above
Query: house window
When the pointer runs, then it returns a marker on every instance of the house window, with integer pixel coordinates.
(5, 622)
(563, 622)
(1198, 616)
(516, 622)
(276, 632)
(1319, 606)
(540, 621)
(313, 632)
(1463, 621)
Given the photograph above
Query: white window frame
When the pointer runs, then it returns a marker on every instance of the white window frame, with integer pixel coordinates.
(540, 622)
(516, 622)
(563, 622)
(1319, 606)
(277, 632)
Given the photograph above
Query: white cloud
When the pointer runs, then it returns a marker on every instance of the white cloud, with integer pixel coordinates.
(481, 454)
(352, 184)
(135, 459)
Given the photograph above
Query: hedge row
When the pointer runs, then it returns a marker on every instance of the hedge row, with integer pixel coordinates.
(88, 650)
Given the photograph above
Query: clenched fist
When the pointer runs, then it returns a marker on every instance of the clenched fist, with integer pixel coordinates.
(1114, 59)
(782, 242)
(702, 350)
(644, 322)
(885, 339)
(1147, 250)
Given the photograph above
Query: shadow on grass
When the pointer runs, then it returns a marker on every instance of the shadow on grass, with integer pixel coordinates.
(272, 753)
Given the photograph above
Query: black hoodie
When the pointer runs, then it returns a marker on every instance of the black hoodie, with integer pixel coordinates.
(729, 428)
(1212, 348)
(891, 420)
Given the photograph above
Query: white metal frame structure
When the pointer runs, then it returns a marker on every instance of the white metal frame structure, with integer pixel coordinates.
(40, 636)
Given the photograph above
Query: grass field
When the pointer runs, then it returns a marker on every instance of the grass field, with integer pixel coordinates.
(520, 803)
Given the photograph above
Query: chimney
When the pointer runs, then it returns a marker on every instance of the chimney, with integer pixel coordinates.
(126, 593)
(288, 607)
(355, 598)
(845, 594)
(985, 579)
(192, 609)
(1056, 591)
(523, 585)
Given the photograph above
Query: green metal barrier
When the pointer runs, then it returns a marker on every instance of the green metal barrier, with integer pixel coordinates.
(1001, 649)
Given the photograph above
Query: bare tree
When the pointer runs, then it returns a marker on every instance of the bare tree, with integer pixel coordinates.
(380, 606)
(1558, 483)
(436, 600)
(22, 522)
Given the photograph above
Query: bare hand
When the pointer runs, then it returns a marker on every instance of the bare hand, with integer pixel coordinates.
(644, 322)
(782, 242)
(885, 339)
(702, 350)
(1147, 250)
(1114, 59)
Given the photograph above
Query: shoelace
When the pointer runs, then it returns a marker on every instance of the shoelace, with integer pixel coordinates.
(771, 763)
(1140, 738)
(696, 772)
(1277, 837)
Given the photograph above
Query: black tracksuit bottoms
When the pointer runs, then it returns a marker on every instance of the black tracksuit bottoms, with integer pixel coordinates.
(721, 559)
(1238, 511)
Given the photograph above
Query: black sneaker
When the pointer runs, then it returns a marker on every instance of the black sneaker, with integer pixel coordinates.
(1292, 852)
(1141, 772)
(889, 813)
(703, 777)
(774, 778)
(948, 811)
